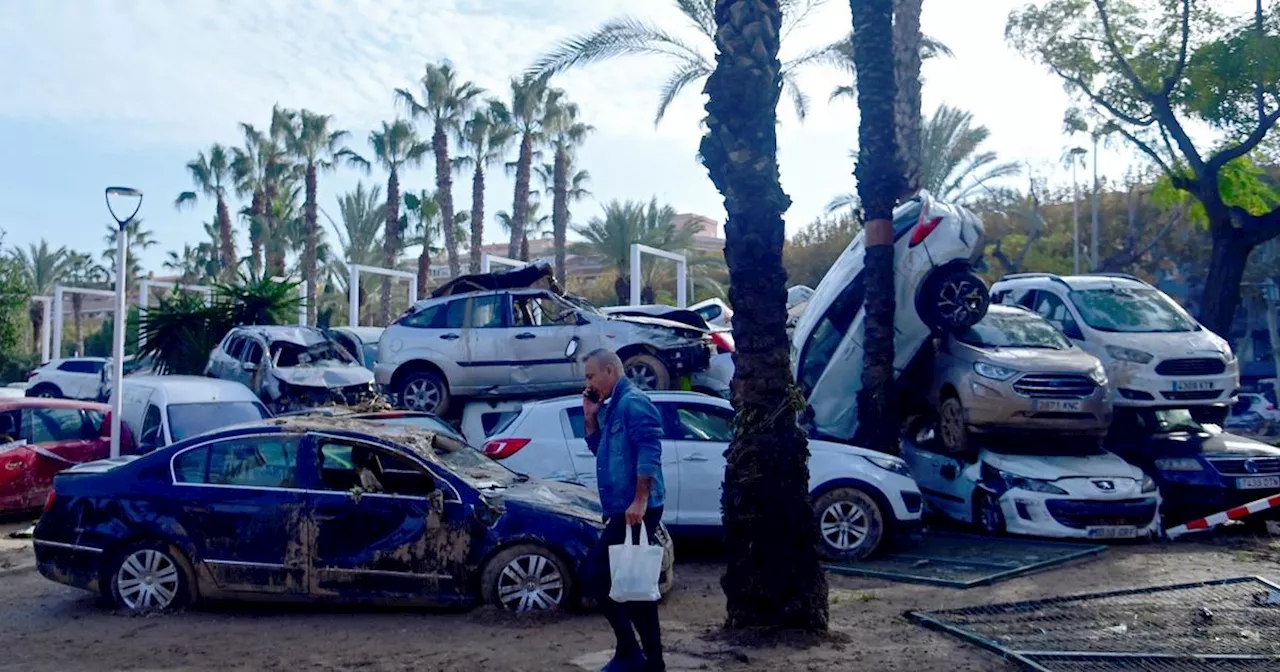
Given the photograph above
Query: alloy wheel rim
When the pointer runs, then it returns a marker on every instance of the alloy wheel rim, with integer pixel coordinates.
(147, 579)
(643, 376)
(958, 300)
(530, 583)
(844, 525)
(422, 395)
(951, 425)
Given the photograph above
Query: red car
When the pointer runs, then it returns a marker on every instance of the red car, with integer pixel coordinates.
(40, 437)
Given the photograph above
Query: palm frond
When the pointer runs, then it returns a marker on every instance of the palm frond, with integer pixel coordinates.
(619, 37)
(186, 198)
(702, 14)
(846, 201)
(798, 97)
(687, 73)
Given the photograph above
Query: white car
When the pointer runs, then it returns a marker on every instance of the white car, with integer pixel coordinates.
(1253, 402)
(1156, 355)
(160, 410)
(72, 378)
(858, 494)
(936, 248)
(717, 313)
(1064, 489)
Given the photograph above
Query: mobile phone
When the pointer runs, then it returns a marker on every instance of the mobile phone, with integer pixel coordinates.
(592, 395)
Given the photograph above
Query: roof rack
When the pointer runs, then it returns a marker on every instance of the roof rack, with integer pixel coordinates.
(1123, 276)
(1028, 276)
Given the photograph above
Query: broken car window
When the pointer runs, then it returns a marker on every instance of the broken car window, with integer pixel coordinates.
(541, 310)
(264, 462)
(252, 353)
(486, 312)
(348, 466)
(286, 354)
(698, 422)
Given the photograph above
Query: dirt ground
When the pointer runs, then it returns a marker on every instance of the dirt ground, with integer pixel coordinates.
(48, 627)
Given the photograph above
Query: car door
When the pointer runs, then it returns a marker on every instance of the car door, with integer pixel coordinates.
(152, 435)
(224, 358)
(542, 327)
(241, 503)
(941, 479)
(584, 462)
(701, 434)
(402, 534)
(488, 340)
(16, 459)
(252, 364)
(58, 438)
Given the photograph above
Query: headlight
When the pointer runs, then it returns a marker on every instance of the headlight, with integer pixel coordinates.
(889, 463)
(992, 371)
(1129, 354)
(1098, 375)
(1178, 464)
(1148, 485)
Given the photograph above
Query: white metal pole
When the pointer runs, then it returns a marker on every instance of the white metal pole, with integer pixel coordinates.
(144, 289)
(413, 293)
(635, 275)
(1093, 239)
(56, 341)
(682, 286)
(45, 325)
(353, 297)
(1075, 220)
(302, 308)
(117, 341)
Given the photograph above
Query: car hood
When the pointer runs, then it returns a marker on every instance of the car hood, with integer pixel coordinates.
(659, 322)
(324, 376)
(1170, 345)
(554, 497)
(1204, 443)
(837, 448)
(1039, 359)
(1054, 467)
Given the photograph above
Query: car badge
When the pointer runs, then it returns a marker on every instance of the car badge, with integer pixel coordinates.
(1251, 466)
(1105, 485)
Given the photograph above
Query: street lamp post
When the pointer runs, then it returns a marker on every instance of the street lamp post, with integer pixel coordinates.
(1093, 238)
(1075, 212)
(122, 316)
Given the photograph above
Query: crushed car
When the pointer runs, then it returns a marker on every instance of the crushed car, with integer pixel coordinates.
(291, 367)
(517, 333)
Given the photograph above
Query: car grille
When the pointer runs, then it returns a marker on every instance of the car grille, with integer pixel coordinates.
(1195, 395)
(1055, 386)
(1079, 514)
(1205, 366)
(1239, 466)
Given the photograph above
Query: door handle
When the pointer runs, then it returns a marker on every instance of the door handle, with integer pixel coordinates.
(449, 337)
(324, 517)
(695, 458)
(584, 455)
(525, 336)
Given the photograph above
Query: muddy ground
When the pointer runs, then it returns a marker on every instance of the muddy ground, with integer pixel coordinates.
(48, 627)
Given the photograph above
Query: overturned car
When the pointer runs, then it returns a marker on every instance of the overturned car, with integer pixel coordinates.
(517, 333)
(290, 368)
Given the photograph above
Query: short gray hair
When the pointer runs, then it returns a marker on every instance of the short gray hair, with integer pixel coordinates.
(604, 357)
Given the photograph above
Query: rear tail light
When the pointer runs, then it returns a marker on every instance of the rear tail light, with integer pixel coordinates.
(48, 501)
(723, 341)
(923, 229)
(501, 449)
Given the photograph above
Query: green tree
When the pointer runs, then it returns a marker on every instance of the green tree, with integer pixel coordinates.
(211, 174)
(1149, 70)
(137, 240)
(361, 217)
(624, 223)
(536, 224)
(528, 111)
(773, 579)
(395, 146)
(565, 133)
(425, 218)
(446, 102)
(15, 297)
(81, 271)
(485, 138)
(44, 267)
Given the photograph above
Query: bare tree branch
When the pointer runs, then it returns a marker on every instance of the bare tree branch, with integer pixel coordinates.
(1121, 61)
(1130, 255)
(1099, 100)
(1172, 82)
(1146, 149)
(1247, 145)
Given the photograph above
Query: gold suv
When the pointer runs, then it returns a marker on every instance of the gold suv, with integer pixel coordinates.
(1015, 371)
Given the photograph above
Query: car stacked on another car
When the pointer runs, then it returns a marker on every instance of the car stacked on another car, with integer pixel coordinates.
(291, 367)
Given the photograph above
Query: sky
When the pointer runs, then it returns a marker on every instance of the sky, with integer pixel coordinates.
(125, 92)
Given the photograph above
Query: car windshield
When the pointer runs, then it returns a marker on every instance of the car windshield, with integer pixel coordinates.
(188, 420)
(286, 354)
(1120, 309)
(1014, 330)
(582, 304)
(464, 460)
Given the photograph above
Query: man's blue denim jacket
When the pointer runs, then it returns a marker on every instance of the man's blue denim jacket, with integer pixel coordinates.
(627, 445)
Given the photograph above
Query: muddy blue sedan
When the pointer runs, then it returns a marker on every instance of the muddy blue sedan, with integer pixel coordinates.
(316, 510)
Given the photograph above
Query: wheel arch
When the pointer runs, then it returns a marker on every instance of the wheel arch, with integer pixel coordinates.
(184, 554)
(477, 577)
(416, 366)
(875, 493)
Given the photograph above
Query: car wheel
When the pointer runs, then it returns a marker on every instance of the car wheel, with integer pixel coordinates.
(526, 578)
(987, 514)
(952, 428)
(45, 391)
(425, 392)
(149, 577)
(667, 579)
(850, 524)
(955, 299)
(647, 372)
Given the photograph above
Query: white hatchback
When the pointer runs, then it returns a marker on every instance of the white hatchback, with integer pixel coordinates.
(858, 494)
(71, 378)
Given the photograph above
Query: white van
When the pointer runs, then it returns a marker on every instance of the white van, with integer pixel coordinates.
(1156, 355)
(161, 410)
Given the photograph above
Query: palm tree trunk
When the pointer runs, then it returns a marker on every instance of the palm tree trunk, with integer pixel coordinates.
(773, 579)
(77, 304)
(524, 249)
(255, 234)
(622, 288)
(477, 218)
(907, 113)
(520, 202)
(309, 249)
(879, 177)
(560, 209)
(424, 271)
(226, 241)
(36, 313)
(444, 191)
(390, 245)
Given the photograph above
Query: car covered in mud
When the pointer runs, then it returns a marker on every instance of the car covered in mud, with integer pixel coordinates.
(517, 333)
(316, 510)
(291, 367)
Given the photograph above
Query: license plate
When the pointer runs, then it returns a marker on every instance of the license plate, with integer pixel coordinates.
(1192, 385)
(1054, 405)
(1256, 482)
(1111, 532)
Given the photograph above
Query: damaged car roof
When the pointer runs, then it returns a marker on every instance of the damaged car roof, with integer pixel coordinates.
(423, 443)
(533, 275)
(300, 335)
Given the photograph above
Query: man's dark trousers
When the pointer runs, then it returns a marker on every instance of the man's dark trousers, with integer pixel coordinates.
(623, 616)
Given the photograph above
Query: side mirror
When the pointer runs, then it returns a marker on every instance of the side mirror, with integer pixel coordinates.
(572, 348)
(249, 366)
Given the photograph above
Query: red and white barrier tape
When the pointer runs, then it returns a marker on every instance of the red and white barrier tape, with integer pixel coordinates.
(1216, 519)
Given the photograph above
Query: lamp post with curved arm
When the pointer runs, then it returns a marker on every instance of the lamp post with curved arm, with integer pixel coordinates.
(122, 195)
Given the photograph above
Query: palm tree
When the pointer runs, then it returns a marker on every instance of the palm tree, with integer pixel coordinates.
(536, 224)
(187, 263)
(485, 137)
(211, 174)
(528, 110)
(423, 212)
(138, 239)
(81, 271)
(624, 223)
(44, 268)
(773, 579)
(280, 178)
(362, 215)
(446, 102)
(880, 182)
(906, 69)
(565, 133)
(259, 163)
(311, 141)
(395, 146)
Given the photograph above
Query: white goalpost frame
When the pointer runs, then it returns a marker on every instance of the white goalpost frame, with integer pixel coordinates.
(353, 287)
(302, 291)
(59, 293)
(488, 260)
(682, 273)
(46, 337)
(144, 298)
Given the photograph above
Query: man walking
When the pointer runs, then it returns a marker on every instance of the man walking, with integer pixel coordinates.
(624, 432)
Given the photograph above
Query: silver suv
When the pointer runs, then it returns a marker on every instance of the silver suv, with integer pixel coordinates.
(503, 335)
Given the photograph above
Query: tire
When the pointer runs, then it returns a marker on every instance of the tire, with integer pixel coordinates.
(149, 577)
(953, 300)
(46, 391)
(850, 524)
(425, 392)
(667, 579)
(526, 578)
(953, 431)
(987, 514)
(647, 372)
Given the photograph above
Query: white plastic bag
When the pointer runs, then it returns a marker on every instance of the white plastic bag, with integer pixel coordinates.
(635, 569)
